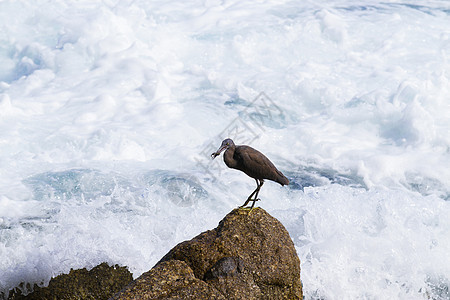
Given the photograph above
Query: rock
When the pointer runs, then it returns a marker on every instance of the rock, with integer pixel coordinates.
(248, 256)
(101, 282)
(230, 276)
(169, 280)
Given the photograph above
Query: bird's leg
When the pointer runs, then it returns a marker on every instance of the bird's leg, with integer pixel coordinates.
(255, 192)
(250, 197)
(260, 184)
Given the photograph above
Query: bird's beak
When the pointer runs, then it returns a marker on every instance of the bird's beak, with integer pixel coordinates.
(218, 151)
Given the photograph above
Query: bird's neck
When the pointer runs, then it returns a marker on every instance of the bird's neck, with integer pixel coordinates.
(228, 157)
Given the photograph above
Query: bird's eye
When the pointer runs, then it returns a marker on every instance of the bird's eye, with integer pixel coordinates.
(228, 144)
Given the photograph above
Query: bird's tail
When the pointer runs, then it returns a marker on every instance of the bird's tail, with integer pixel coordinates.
(281, 179)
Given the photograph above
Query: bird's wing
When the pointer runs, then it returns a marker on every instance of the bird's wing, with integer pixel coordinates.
(259, 159)
(253, 162)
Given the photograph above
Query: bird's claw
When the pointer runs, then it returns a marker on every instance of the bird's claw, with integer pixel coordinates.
(244, 208)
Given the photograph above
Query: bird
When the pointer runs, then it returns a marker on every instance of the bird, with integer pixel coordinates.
(251, 162)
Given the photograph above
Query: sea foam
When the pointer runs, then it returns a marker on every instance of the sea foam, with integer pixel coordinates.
(109, 112)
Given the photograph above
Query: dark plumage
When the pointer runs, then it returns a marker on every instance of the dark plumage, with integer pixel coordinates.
(251, 162)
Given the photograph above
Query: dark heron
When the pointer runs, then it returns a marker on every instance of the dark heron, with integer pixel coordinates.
(251, 162)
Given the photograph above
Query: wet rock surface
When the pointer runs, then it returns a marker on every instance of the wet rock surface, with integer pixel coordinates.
(99, 283)
(248, 256)
(172, 279)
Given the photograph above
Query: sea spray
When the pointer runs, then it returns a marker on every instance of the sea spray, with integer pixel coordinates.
(107, 110)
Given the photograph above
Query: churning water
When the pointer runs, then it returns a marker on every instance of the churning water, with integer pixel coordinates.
(110, 109)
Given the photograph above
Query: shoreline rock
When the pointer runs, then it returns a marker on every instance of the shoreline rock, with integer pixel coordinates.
(99, 283)
(250, 255)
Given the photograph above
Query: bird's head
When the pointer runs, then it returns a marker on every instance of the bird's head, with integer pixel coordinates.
(227, 143)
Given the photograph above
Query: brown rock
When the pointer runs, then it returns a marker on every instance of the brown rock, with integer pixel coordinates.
(169, 280)
(230, 276)
(248, 256)
(99, 283)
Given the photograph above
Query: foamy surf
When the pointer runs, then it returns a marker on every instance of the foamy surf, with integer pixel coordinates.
(109, 112)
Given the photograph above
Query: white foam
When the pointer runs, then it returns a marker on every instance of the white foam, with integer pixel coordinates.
(372, 240)
(109, 111)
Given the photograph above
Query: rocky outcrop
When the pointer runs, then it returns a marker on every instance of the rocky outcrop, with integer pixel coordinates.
(172, 279)
(99, 283)
(248, 256)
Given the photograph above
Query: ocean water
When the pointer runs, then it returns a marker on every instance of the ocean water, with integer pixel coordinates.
(110, 109)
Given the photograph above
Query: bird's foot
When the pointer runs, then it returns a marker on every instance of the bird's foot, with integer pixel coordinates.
(248, 200)
(245, 208)
(249, 209)
(253, 204)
